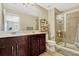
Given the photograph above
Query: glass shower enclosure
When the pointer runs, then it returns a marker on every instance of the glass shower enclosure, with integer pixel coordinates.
(67, 32)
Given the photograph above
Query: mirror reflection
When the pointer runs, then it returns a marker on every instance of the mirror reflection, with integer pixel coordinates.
(16, 19)
(11, 22)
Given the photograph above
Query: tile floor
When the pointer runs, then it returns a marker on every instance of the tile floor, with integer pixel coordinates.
(49, 53)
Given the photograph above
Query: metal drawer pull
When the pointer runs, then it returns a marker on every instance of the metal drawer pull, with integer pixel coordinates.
(17, 49)
(12, 51)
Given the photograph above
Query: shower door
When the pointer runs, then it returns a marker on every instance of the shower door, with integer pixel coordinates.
(59, 23)
(72, 19)
(68, 46)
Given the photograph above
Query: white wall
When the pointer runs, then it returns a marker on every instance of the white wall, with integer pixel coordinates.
(0, 18)
(42, 13)
(51, 20)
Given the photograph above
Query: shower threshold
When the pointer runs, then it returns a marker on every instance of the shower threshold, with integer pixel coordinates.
(68, 50)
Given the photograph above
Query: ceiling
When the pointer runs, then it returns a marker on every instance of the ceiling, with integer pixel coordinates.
(22, 8)
(59, 6)
(32, 9)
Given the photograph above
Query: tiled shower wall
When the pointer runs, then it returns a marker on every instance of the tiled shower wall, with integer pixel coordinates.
(71, 26)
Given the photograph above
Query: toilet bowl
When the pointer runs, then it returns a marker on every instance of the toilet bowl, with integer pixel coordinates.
(50, 45)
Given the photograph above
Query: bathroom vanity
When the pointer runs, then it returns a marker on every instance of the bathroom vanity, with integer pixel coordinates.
(29, 44)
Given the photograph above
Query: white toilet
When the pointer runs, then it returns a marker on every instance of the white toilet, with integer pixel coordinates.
(50, 45)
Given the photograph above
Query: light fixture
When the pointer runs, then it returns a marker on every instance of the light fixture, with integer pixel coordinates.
(28, 4)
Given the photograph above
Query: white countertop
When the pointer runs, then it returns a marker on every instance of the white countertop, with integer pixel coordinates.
(10, 34)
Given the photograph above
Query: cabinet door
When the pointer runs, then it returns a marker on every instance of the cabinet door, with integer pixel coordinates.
(6, 51)
(34, 46)
(22, 50)
(6, 48)
(22, 46)
(42, 43)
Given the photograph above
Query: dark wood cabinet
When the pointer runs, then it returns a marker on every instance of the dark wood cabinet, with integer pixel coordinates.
(34, 46)
(6, 48)
(6, 51)
(22, 46)
(37, 44)
(22, 50)
(30, 45)
(42, 44)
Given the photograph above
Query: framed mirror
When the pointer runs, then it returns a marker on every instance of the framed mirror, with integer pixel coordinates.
(14, 19)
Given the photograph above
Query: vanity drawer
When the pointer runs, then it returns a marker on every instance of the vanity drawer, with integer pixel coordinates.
(5, 42)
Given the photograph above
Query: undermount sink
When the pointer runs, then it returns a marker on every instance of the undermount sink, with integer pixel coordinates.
(15, 33)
